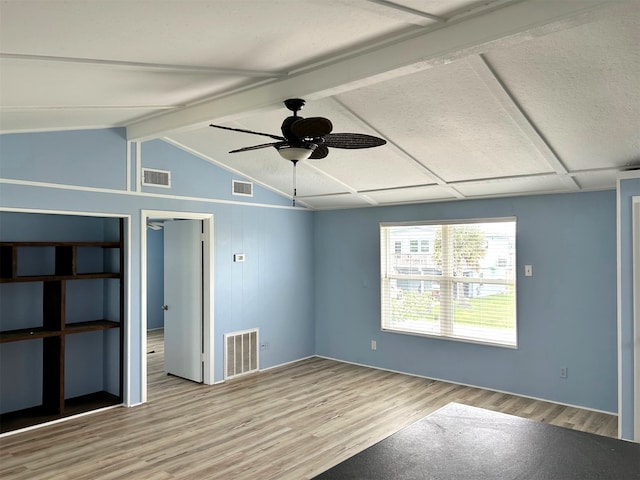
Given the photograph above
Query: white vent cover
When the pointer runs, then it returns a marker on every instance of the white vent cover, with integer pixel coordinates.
(242, 188)
(241, 353)
(156, 178)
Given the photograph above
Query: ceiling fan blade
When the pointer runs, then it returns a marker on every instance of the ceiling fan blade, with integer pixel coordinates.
(275, 137)
(321, 151)
(312, 127)
(352, 140)
(256, 147)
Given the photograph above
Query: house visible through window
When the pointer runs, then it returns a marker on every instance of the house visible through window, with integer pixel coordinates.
(458, 281)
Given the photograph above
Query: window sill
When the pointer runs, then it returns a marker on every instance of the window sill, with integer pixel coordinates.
(461, 339)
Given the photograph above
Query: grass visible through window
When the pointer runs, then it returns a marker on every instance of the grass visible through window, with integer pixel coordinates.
(492, 311)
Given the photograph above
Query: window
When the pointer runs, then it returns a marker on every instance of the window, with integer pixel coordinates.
(462, 287)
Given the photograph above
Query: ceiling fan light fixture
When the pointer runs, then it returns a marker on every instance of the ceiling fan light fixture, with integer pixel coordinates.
(295, 153)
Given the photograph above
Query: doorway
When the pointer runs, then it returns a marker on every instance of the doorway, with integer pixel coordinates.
(206, 300)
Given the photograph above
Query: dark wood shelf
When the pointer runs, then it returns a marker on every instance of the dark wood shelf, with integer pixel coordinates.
(27, 334)
(26, 418)
(43, 332)
(89, 326)
(55, 278)
(92, 401)
(67, 258)
(72, 406)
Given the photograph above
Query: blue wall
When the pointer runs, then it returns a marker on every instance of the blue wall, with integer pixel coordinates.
(155, 278)
(628, 188)
(88, 158)
(311, 279)
(566, 311)
(270, 291)
(194, 177)
(21, 307)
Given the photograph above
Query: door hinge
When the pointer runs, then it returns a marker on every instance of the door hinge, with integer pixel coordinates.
(202, 357)
(202, 237)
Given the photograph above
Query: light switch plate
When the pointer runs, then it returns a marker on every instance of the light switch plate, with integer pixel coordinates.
(238, 257)
(528, 271)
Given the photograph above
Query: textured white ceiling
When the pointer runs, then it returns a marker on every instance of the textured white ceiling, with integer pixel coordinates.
(475, 99)
(581, 88)
(445, 117)
(266, 35)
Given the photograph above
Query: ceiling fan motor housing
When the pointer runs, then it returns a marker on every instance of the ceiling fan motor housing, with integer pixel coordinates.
(286, 128)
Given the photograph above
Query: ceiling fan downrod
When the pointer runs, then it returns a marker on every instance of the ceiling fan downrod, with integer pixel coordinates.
(295, 192)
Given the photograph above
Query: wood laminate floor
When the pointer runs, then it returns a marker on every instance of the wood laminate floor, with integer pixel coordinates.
(290, 422)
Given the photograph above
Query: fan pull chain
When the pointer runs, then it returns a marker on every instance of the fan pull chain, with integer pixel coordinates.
(295, 163)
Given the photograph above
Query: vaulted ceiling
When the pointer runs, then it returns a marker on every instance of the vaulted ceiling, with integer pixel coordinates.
(475, 99)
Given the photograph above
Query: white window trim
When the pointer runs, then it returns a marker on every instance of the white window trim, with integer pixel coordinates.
(446, 327)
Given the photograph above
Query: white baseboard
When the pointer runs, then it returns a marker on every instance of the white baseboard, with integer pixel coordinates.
(287, 363)
(473, 386)
(59, 420)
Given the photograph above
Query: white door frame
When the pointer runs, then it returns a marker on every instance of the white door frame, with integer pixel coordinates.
(207, 277)
(635, 225)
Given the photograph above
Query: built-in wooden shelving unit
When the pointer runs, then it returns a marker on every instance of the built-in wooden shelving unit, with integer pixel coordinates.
(66, 262)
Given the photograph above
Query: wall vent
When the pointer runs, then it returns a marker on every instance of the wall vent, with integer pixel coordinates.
(242, 188)
(241, 353)
(156, 178)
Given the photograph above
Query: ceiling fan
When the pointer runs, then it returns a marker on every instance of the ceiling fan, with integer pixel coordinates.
(304, 138)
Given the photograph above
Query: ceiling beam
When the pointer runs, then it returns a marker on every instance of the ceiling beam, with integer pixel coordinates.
(444, 42)
(419, 14)
(232, 72)
(55, 108)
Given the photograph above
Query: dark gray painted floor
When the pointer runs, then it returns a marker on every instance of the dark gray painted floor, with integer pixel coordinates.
(461, 442)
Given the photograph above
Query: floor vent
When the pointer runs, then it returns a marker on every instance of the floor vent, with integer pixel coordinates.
(242, 188)
(241, 353)
(156, 178)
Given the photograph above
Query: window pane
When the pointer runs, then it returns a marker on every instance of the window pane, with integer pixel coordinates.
(415, 308)
(413, 262)
(469, 248)
(454, 280)
(484, 312)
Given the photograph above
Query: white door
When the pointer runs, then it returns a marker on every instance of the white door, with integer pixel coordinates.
(183, 298)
